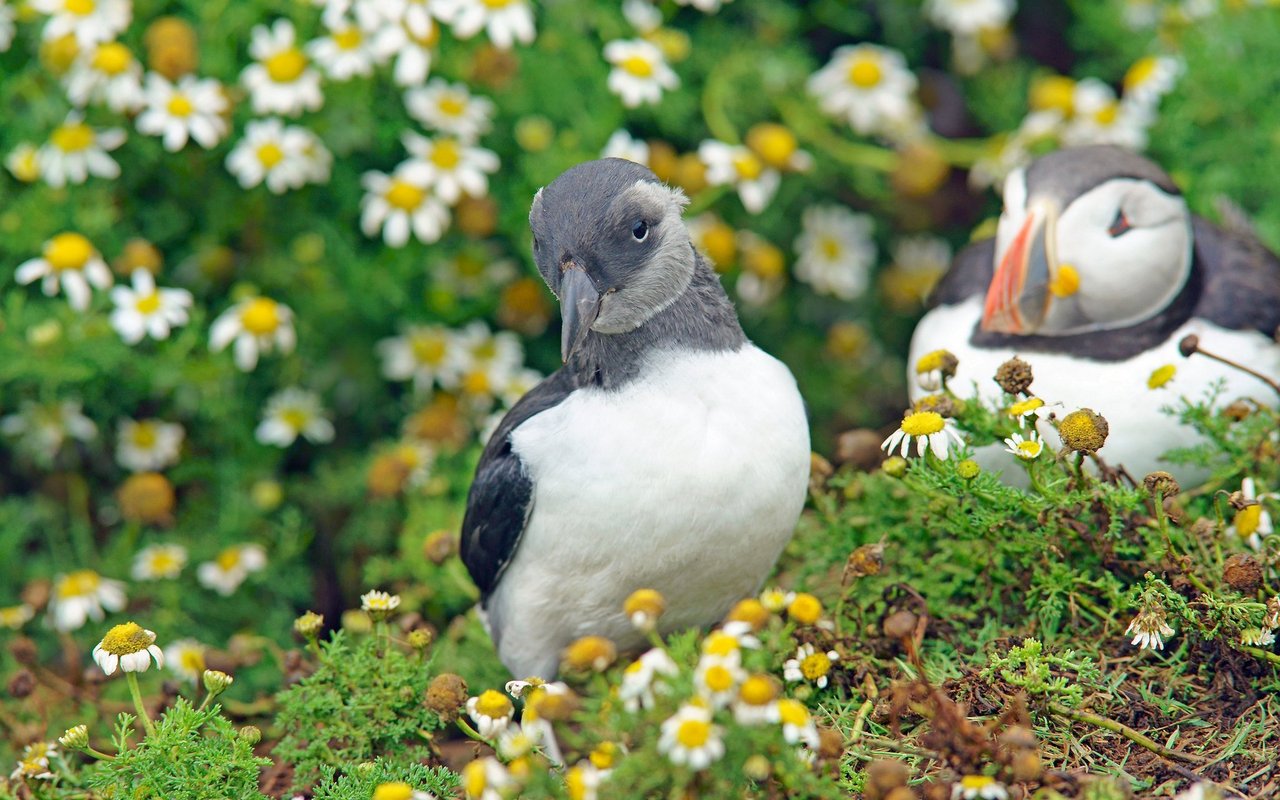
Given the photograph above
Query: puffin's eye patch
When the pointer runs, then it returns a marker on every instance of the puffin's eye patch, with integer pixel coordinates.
(640, 230)
(1119, 225)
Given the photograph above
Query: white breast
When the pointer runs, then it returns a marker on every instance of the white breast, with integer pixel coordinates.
(688, 480)
(1140, 431)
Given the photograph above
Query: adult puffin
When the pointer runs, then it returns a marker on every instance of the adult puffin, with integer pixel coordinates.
(1096, 273)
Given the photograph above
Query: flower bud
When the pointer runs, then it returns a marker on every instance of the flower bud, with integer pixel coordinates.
(1161, 483)
(76, 738)
(309, 625)
(643, 607)
(251, 734)
(216, 682)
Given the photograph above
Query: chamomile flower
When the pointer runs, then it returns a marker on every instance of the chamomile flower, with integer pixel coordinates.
(281, 80)
(191, 109)
(1099, 118)
(740, 167)
(717, 680)
(486, 779)
(643, 15)
(128, 647)
(1032, 409)
(689, 738)
(930, 431)
(70, 262)
(143, 310)
(90, 21)
(81, 596)
(75, 151)
(775, 599)
(640, 73)
(420, 353)
(159, 562)
(413, 51)
(622, 145)
(1253, 521)
(978, 787)
(345, 53)
(14, 617)
(255, 325)
(810, 665)
(450, 108)
(483, 361)
(449, 166)
(1257, 637)
(968, 17)
(491, 712)
(867, 85)
(798, 726)
(45, 428)
(1027, 449)
(918, 263)
(705, 6)
(185, 658)
(34, 762)
(273, 153)
(473, 273)
(835, 251)
(148, 445)
(1149, 629)
(379, 604)
(106, 73)
(504, 21)
(419, 17)
(23, 162)
(1150, 79)
(399, 204)
(757, 701)
(582, 781)
(231, 567)
(291, 413)
(638, 679)
(399, 791)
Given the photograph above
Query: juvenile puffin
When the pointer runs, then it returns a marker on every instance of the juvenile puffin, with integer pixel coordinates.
(667, 453)
(1096, 273)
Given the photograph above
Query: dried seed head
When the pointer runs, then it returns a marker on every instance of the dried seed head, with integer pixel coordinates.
(1189, 345)
(940, 404)
(866, 560)
(1161, 483)
(1026, 766)
(900, 624)
(439, 546)
(1084, 431)
(1014, 376)
(883, 776)
(21, 684)
(830, 744)
(860, 448)
(446, 695)
(1238, 410)
(1243, 573)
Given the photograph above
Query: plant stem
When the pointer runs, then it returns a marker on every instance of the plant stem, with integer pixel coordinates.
(1126, 732)
(132, 679)
(860, 720)
(471, 732)
(1260, 653)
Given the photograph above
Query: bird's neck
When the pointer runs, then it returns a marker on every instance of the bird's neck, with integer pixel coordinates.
(702, 318)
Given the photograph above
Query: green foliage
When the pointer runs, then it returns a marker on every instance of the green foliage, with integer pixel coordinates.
(1032, 670)
(360, 782)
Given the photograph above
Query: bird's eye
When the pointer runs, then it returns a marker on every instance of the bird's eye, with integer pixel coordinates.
(640, 230)
(1119, 225)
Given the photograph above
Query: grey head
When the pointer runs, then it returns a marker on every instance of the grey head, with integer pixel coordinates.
(609, 240)
(1090, 239)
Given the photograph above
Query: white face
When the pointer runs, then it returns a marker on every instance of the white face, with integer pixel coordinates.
(1117, 255)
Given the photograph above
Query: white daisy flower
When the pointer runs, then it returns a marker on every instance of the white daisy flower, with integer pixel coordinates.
(798, 726)
(643, 15)
(419, 17)
(379, 602)
(44, 428)
(918, 263)
(757, 701)
(978, 787)
(75, 151)
(473, 274)
(129, 647)
(144, 310)
(400, 203)
(230, 569)
(491, 711)
(582, 780)
(69, 262)
(869, 86)
(106, 73)
(159, 562)
(185, 658)
(281, 79)
(1027, 449)
(421, 353)
(717, 680)
(450, 108)
(1253, 521)
(1013, 152)
(413, 53)
(291, 413)
(637, 688)
(148, 445)
(14, 617)
(1150, 79)
(518, 384)
(7, 28)
(90, 21)
(738, 166)
(930, 431)
(486, 779)
(23, 162)
(256, 325)
(640, 72)
(835, 251)
(191, 109)
(316, 158)
(272, 152)
(622, 145)
(505, 22)
(34, 762)
(345, 53)
(688, 737)
(1099, 118)
(448, 166)
(1149, 630)
(81, 596)
(810, 665)
(483, 362)
(1257, 637)
(1031, 410)
(968, 17)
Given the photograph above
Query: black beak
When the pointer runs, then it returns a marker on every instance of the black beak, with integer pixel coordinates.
(579, 306)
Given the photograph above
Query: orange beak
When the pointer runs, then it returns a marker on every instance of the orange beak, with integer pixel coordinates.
(1018, 297)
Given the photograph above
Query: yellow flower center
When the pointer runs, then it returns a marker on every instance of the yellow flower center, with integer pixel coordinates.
(806, 608)
(1248, 520)
(718, 678)
(348, 38)
(649, 602)
(1161, 375)
(163, 561)
(976, 782)
(428, 348)
(474, 780)
(295, 418)
(922, 423)
(428, 41)
(191, 660)
(452, 105)
(180, 105)
(1107, 114)
(1030, 448)
(446, 154)
(748, 166)
(393, 791)
(476, 382)
(1053, 93)
(148, 304)
(793, 712)
(772, 142)
(638, 66)
(575, 783)
(144, 435)
(68, 251)
(720, 644)
(260, 316)
(693, 733)
(604, 755)
(865, 72)
(493, 704)
(72, 138)
(1065, 282)
(1141, 72)
(112, 58)
(127, 638)
(270, 154)
(80, 583)
(229, 559)
(931, 361)
(757, 690)
(81, 8)
(286, 66)
(815, 666)
(1025, 406)
(497, 3)
(830, 248)
(404, 196)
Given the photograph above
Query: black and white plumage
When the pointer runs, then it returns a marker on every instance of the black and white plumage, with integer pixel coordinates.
(667, 453)
(1097, 271)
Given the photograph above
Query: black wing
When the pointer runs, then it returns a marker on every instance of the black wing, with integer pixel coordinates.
(501, 495)
(1241, 288)
(969, 275)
